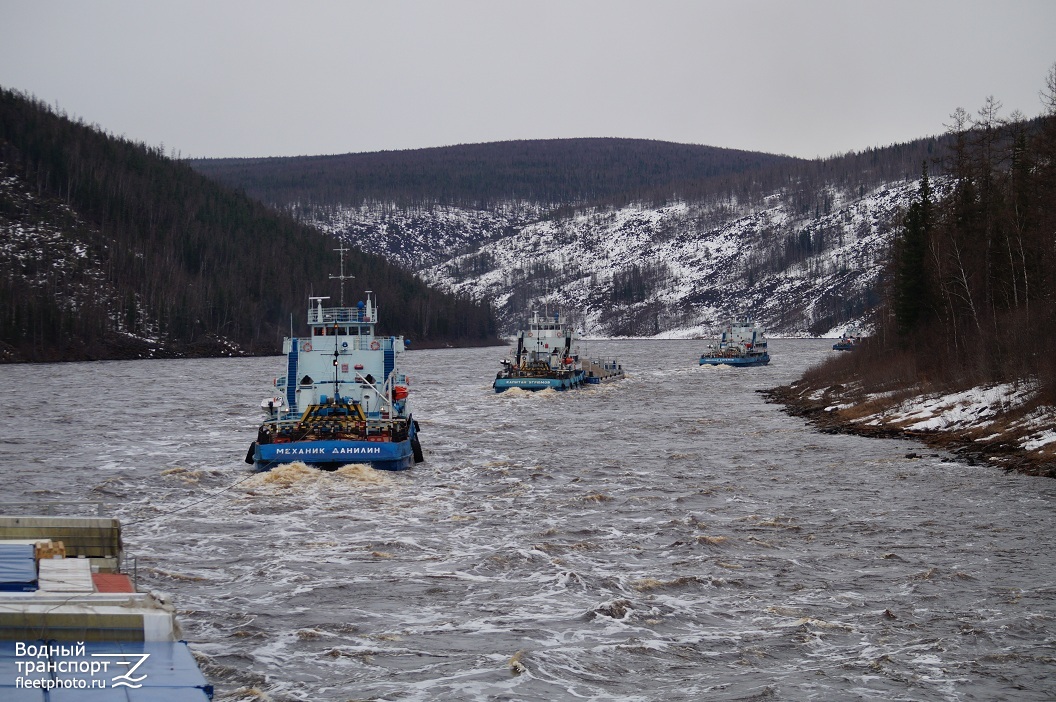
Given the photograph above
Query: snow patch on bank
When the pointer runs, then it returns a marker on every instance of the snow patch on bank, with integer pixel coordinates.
(987, 412)
(973, 408)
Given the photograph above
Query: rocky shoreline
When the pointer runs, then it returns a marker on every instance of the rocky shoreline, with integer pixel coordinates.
(1000, 426)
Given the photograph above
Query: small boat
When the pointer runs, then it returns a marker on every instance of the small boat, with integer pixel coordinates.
(742, 343)
(848, 340)
(342, 397)
(548, 357)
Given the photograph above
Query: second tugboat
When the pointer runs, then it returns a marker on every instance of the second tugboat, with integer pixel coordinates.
(848, 341)
(743, 343)
(547, 356)
(342, 398)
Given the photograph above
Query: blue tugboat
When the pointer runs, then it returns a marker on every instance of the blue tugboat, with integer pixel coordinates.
(743, 343)
(342, 397)
(848, 341)
(547, 357)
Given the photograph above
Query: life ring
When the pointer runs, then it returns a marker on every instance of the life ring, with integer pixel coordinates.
(529, 334)
(306, 346)
(374, 346)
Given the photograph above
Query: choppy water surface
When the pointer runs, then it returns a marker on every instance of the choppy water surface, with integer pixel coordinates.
(668, 537)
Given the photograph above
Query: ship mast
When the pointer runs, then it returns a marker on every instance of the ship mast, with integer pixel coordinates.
(341, 252)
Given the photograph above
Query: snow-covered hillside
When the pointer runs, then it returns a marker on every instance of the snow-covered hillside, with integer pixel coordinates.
(674, 271)
(418, 237)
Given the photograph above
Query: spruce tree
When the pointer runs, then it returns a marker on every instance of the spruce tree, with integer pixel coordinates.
(911, 280)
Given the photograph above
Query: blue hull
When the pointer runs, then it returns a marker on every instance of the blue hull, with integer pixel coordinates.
(502, 384)
(741, 361)
(331, 455)
(595, 380)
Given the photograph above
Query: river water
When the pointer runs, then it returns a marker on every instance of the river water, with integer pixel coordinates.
(668, 537)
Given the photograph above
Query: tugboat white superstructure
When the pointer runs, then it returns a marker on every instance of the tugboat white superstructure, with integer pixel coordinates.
(743, 343)
(342, 397)
(849, 340)
(547, 356)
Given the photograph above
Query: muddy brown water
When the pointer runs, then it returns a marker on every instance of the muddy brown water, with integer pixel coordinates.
(667, 537)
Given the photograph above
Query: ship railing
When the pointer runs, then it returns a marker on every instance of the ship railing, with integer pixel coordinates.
(132, 571)
(384, 393)
(340, 315)
(356, 342)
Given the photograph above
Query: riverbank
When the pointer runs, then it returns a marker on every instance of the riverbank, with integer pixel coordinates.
(1005, 426)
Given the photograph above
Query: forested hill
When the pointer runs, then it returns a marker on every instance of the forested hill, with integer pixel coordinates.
(631, 237)
(550, 173)
(108, 249)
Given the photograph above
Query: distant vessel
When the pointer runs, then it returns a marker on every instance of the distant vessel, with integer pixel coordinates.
(743, 343)
(848, 340)
(547, 356)
(342, 398)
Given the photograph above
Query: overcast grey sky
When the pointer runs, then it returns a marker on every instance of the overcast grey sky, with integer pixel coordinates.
(268, 78)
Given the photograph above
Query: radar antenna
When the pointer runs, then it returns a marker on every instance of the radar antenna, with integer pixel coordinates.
(341, 252)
